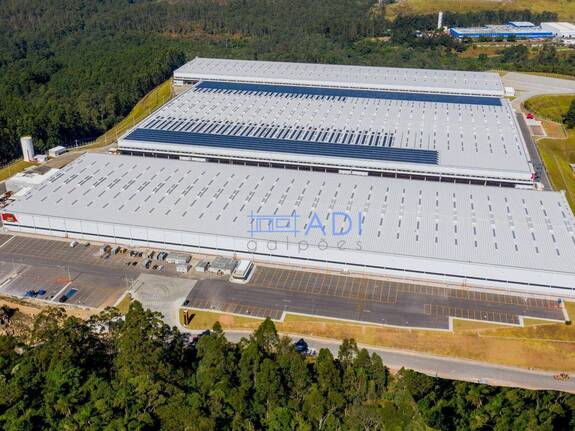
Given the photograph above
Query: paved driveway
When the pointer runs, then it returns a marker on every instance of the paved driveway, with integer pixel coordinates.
(527, 86)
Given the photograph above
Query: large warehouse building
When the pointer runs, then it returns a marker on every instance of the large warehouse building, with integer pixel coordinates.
(262, 154)
(339, 76)
(514, 29)
(467, 234)
(405, 123)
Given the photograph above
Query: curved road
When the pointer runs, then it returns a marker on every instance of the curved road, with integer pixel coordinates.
(445, 367)
(527, 86)
(437, 366)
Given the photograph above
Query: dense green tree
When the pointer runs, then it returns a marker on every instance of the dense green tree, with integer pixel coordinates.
(71, 69)
(569, 119)
(134, 372)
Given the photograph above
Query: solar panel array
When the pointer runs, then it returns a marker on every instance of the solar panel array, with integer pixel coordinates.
(465, 136)
(214, 140)
(343, 76)
(294, 90)
(460, 223)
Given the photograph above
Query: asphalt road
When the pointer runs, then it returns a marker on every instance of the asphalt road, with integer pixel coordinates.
(527, 86)
(444, 367)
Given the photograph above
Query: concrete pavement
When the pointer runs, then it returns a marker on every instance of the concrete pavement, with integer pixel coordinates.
(527, 86)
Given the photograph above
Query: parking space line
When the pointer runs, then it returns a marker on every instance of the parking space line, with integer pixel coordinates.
(60, 291)
(7, 241)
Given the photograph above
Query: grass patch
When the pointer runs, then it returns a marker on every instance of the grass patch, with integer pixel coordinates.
(150, 102)
(507, 348)
(554, 130)
(476, 51)
(550, 107)
(557, 154)
(124, 304)
(529, 321)
(460, 325)
(206, 319)
(548, 331)
(570, 307)
(13, 168)
(564, 8)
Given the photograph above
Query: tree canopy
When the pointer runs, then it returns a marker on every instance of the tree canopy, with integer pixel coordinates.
(135, 372)
(70, 69)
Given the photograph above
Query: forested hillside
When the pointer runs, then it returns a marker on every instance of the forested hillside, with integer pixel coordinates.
(70, 69)
(134, 372)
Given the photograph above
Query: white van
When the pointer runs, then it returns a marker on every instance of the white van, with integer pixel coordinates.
(243, 271)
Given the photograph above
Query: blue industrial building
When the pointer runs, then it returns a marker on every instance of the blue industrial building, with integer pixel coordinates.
(515, 29)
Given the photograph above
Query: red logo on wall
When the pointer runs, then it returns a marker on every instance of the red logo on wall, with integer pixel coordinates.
(10, 218)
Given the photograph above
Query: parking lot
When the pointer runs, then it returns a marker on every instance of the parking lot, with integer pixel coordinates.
(366, 289)
(31, 265)
(48, 270)
(273, 291)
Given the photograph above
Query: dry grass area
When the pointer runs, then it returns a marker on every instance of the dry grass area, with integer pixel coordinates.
(475, 51)
(206, 319)
(461, 325)
(27, 310)
(13, 168)
(478, 341)
(548, 331)
(565, 8)
(124, 304)
(554, 130)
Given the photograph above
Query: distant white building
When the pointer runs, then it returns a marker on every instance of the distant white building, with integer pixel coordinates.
(56, 151)
(562, 30)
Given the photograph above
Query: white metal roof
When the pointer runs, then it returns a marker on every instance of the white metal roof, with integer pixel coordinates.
(504, 29)
(501, 227)
(472, 140)
(559, 28)
(344, 76)
(522, 24)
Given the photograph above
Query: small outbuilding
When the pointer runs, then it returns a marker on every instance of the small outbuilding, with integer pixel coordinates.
(222, 265)
(56, 151)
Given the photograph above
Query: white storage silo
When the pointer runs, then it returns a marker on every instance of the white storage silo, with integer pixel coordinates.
(27, 148)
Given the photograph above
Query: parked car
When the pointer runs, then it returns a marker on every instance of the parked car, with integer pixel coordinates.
(68, 295)
(73, 244)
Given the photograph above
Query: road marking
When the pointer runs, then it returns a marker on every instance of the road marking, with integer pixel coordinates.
(60, 291)
(8, 240)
